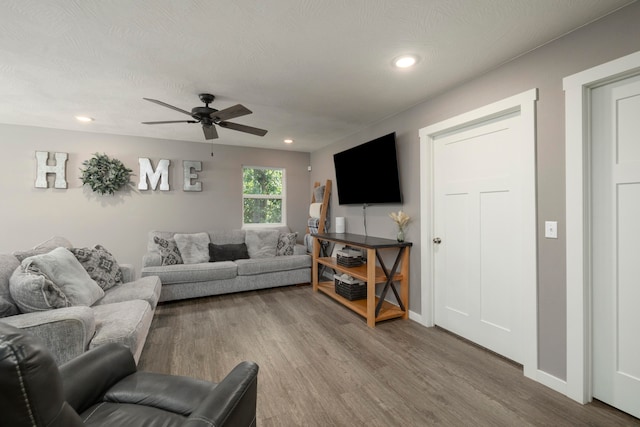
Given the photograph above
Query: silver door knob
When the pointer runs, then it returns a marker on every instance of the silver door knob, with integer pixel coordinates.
(437, 241)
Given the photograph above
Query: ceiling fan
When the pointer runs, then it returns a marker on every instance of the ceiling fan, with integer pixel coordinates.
(209, 117)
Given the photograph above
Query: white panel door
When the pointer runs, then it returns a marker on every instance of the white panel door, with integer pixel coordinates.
(615, 208)
(478, 219)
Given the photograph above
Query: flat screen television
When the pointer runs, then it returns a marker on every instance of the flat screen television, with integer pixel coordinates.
(368, 173)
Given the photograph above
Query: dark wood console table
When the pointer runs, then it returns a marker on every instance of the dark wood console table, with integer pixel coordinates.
(373, 308)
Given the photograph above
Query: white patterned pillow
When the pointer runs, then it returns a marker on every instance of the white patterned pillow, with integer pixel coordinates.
(194, 248)
(100, 264)
(286, 244)
(168, 251)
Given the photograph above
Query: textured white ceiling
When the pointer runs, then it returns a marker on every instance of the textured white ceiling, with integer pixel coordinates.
(311, 70)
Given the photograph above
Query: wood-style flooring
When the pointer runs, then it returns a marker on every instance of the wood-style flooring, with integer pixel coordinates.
(320, 365)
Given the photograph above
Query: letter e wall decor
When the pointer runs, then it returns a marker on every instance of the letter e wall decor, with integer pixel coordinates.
(189, 166)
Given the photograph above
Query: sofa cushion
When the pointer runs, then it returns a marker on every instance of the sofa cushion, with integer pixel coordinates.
(52, 280)
(253, 266)
(228, 252)
(262, 243)
(146, 288)
(8, 264)
(226, 237)
(188, 273)
(194, 248)
(100, 264)
(125, 322)
(44, 247)
(168, 250)
(286, 244)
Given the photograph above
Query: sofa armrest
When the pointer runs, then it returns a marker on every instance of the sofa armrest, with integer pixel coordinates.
(66, 332)
(299, 249)
(128, 273)
(151, 259)
(88, 377)
(233, 401)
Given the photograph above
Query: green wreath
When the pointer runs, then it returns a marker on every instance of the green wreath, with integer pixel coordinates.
(104, 175)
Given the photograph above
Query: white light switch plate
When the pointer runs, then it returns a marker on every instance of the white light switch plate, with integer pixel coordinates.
(551, 229)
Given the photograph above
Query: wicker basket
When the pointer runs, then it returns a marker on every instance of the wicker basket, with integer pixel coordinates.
(350, 289)
(348, 261)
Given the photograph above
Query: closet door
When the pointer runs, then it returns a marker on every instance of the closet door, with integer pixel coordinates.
(479, 226)
(615, 245)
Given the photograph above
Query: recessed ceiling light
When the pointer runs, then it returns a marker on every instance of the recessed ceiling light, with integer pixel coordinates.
(84, 119)
(288, 141)
(405, 61)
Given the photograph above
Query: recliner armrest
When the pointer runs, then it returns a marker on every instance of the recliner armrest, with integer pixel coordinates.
(89, 376)
(232, 402)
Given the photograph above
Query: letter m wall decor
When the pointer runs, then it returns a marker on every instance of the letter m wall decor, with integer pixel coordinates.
(160, 174)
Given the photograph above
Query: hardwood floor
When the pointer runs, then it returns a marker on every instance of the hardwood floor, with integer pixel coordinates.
(320, 365)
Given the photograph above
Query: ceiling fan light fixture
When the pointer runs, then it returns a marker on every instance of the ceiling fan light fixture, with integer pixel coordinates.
(209, 117)
(405, 61)
(84, 119)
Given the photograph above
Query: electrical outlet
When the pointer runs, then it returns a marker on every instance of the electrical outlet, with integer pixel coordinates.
(551, 229)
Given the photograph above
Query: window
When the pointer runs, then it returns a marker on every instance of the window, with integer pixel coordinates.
(263, 196)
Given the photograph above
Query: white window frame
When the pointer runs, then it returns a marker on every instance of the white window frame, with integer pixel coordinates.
(282, 197)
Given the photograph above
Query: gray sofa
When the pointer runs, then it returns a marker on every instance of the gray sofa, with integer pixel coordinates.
(122, 314)
(266, 266)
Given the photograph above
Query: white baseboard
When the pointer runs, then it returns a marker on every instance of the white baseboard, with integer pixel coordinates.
(550, 381)
(416, 317)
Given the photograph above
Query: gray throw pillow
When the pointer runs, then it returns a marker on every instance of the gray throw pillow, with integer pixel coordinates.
(168, 251)
(44, 247)
(100, 264)
(286, 244)
(52, 280)
(262, 243)
(194, 248)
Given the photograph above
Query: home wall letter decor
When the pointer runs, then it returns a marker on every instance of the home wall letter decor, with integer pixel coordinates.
(59, 169)
(189, 166)
(161, 173)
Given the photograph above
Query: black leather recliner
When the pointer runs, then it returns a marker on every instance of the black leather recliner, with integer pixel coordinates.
(103, 388)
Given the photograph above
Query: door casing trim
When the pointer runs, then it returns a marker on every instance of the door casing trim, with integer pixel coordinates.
(524, 103)
(578, 89)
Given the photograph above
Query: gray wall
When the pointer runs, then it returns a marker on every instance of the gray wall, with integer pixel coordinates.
(121, 222)
(612, 37)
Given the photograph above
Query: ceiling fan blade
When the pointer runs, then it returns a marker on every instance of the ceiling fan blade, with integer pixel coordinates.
(164, 104)
(169, 121)
(243, 128)
(210, 132)
(230, 113)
